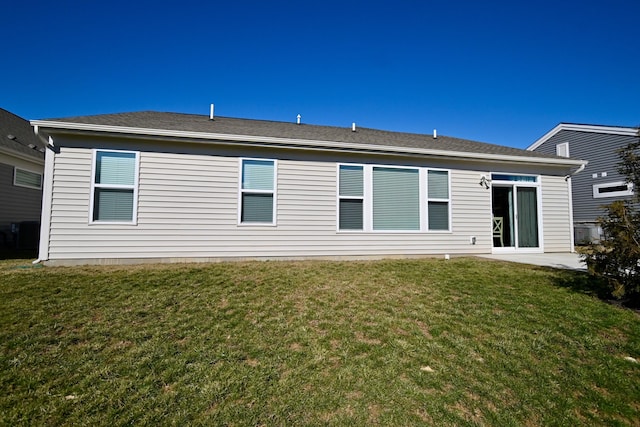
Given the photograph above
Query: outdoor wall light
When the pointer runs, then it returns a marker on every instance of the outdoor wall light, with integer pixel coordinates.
(484, 182)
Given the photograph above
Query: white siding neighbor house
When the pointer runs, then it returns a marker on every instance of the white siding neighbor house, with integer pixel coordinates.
(600, 183)
(167, 187)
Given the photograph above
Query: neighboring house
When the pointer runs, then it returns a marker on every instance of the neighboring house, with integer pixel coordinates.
(21, 169)
(600, 183)
(150, 186)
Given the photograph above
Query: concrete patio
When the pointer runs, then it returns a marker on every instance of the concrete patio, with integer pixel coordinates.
(569, 261)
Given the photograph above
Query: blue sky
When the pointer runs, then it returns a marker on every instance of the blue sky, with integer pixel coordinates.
(500, 72)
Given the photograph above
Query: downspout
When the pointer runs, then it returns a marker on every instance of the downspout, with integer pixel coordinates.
(47, 194)
(570, 192)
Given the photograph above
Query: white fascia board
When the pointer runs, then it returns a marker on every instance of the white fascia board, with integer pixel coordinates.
(614, 130)
(203, 137)
(21, 156)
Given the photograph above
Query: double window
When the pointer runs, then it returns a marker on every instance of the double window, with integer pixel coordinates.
(114, 187)
(386, 198)
(257, 191)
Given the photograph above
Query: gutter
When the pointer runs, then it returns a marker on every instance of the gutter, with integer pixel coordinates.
(203, 137)
(577, 171)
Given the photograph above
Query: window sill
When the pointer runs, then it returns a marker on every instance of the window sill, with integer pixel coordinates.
(394, 232)
(113, 223)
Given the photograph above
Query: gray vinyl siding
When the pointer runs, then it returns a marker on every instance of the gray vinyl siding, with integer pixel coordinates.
(188, 208)
(18, 203)
(600, 149)
(555, 215)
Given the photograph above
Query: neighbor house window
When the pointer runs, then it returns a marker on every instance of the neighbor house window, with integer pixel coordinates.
(25, 178)
(612, 189)
(391, 198)
(351, 197)
(438, 200)
(115, 186)
(257, 191)
(396, 198)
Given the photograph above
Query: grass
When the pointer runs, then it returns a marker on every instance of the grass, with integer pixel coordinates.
(397, 342)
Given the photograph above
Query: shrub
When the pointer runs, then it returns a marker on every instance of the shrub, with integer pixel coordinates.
(616, 257)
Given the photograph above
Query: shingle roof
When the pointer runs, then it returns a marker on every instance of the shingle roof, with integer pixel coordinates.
(16, 134)
(263, 128)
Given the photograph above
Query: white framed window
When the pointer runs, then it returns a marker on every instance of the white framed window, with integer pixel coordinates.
(114, 187)
(612, 189)
(381, 198)
(562, 149)
(26, 178)
(395, 198)
(257, 195)
(438, 200)
(350, 197)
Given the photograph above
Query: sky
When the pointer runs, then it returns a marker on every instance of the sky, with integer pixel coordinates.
(504, 72)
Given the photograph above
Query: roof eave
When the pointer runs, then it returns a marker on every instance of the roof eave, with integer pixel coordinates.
(205, 137)
(21, 156)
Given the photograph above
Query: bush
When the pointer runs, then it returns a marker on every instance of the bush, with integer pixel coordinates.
(616, 257)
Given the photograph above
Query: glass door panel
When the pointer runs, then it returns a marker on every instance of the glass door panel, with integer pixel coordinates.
(527, 217)
(503, 217)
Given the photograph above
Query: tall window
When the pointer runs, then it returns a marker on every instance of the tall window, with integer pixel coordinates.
(115, 185)
(351, 197)
(396, 199)
(438, 199)
(257, 191)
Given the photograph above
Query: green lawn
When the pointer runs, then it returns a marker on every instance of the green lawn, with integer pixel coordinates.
(397, 342)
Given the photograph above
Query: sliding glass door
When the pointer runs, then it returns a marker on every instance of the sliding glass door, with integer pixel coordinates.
(515, 209)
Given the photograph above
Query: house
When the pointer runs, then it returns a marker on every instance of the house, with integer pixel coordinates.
(600, 183)
(153, 186)
(21, 169)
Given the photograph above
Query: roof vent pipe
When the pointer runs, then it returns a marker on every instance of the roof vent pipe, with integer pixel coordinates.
(353, 127)
(435, 134)
(211, 112)
(298, 118)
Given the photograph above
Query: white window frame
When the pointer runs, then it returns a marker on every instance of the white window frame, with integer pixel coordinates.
(537, 184)
(367, 205)
(339, 197)
(134, 187)
(438, 200)
(421, 192)
(273, 192)
(15, 175)
(627, 192)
